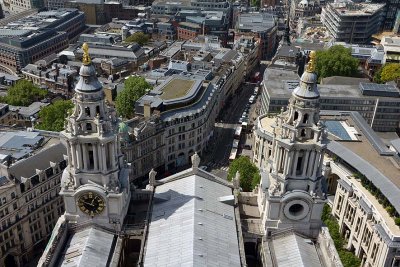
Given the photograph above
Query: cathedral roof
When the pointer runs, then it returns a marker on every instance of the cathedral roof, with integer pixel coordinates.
(190, 216)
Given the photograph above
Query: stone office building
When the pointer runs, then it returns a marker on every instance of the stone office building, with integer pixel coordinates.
(34, 37)
(378, 104)
(30, 173)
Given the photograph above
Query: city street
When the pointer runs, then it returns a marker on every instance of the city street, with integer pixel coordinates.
(217, 159)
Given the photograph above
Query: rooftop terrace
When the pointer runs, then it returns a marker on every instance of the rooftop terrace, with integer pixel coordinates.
(176, 88)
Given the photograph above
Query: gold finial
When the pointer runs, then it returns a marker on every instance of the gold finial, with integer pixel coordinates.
(86, 58)
(312, 62)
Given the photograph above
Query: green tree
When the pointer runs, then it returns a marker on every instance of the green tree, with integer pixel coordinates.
(138, 37)
(348, 259)
(255, 3)
(135, 87)
(249, 173)
(51, 117)
(336, 61)
(24, 93)
(377, 76)
(390, 72)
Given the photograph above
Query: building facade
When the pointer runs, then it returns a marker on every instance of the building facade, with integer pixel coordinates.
(362, 173)
(390, 14)
(368, 229)
(378, 104)
(58, 78)
(34, 37)
(29, 201)
(263, 27)
(351, 22)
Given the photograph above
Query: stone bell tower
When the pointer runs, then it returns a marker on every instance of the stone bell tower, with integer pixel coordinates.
(295, 195)
(95, 184)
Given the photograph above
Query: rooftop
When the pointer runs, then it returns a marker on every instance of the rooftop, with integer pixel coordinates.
(303, 251)
(280, 84)
(190, 217)
(18, 144)
(176, 88)
(31, 28)
(368, 154)
(356, 9)
(79, 251)
(256, 22)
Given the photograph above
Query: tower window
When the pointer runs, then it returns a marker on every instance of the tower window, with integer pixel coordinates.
(303, 133)
(91, 159)
(299, 166)
(97, 110)
(305, 118)
(88, 126)
(296, 115)
(87, 111)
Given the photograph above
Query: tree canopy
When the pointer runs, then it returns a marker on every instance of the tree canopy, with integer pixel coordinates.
(24, 93)
(135, 87)
(255, 3)
(348, 259)
(52, 116)
(249, 173)
(389, 72)
(138, 37)
(336, 61)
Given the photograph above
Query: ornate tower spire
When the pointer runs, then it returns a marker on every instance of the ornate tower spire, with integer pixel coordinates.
(95, 185)
(294, 193)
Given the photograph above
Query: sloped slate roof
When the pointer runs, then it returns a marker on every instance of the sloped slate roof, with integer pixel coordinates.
(190, 226)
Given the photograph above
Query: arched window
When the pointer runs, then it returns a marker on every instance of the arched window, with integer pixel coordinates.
(303, 133)
(88, 126)
(296, 115)
(87, 111)
(305, 118)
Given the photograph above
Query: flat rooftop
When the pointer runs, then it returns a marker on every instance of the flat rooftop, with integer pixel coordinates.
(19, 144)
(256, 22)
(356, 9)
(280, 83)
(176, 88)
(45, 19)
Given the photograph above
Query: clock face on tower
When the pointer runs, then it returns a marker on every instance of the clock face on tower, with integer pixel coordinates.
(91, 203)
